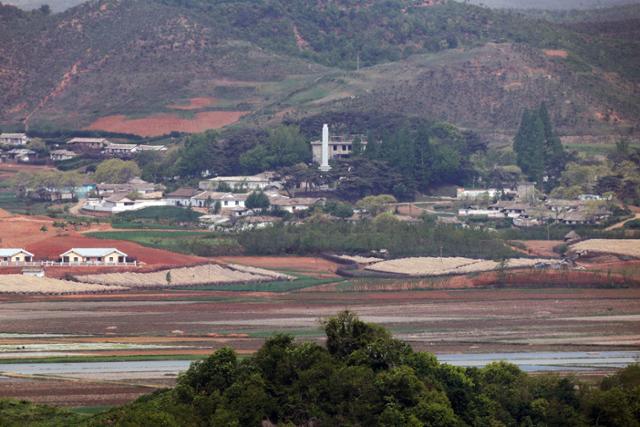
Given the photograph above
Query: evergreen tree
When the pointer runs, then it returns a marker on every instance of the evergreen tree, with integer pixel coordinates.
(555, 158)
(538, 149)
(529, 146)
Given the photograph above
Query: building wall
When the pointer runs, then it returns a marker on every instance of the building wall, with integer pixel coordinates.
(20, 257)
(111, 258)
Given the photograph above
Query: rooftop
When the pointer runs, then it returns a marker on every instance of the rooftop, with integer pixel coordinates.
(13, 135)
(88, 141)
(184, 193)
(7, 252)
(94, 252)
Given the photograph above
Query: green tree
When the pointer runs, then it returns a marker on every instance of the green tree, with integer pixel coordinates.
(376, 204)
(116, 171)
(529, 146)
(257, 200)
(538, 149)
(285, 146)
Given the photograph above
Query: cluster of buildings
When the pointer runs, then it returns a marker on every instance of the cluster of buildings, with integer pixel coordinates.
(13, 148)
(71, 257)
(103, 147)
(527, 210)
(221, 200)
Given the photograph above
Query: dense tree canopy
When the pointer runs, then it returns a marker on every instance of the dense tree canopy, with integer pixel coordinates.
(116, 171)
(539, 151)
(365, 377)
(285, 146)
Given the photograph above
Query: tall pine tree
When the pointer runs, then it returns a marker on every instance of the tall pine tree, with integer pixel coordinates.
(554, 156)
(538, 149)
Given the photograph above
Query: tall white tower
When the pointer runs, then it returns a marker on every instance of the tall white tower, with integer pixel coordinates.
(324, 164)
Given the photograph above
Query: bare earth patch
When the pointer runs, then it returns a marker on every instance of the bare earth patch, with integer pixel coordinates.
(556, 53)
(194, 104)
(164, 123)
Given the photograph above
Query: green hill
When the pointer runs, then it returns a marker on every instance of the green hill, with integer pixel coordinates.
(473, 66)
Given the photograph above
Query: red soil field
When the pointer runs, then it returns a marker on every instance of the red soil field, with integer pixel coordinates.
(7, 170)
(194, 104)
(23, 231)
(556, 53)
(161, 124)
(54, 246)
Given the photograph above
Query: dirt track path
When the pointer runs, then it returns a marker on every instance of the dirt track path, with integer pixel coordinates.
(622, 223)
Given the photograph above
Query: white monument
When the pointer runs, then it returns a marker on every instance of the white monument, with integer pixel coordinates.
(324, 164)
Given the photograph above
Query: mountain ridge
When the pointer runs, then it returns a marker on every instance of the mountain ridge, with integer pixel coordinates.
(274, 59)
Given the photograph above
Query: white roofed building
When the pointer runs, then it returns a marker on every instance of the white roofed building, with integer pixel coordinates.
(87, 144)
(93, 256)
(261, 181)
(14, 256)
(13, 139)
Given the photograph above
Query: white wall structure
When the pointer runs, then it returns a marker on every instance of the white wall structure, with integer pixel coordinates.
(324, 165)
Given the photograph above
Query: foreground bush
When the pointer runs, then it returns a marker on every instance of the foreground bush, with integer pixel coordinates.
(364, 377)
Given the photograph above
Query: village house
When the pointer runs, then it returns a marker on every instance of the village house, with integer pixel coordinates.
(121, 202)
(585, 215)
(14, 256)
(21, 155)
(293, 204)
(480, 194)
(119, 150)
(186, 197)
(479, 212)
(87, 144)
(60, 155)
(232, 200)
(511, 209)
(261, 181)
(17, 139)
(142, 147)
(339, 146)
(93, 256)
(135, 185)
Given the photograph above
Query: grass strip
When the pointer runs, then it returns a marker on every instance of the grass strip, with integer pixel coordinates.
(87, 359)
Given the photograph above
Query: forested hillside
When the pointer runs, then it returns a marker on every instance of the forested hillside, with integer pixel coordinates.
(472, 66)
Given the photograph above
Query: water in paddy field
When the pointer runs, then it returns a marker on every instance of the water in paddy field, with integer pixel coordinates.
(528, 362)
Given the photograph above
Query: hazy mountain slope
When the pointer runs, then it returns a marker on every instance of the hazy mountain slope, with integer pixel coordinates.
(484, 88)
(118, 58)
(55, 5)
(552, 4)
(275, 57)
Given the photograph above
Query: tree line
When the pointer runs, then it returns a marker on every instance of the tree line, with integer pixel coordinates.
(362, 376)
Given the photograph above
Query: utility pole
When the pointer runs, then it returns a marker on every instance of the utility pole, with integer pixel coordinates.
(358, 61)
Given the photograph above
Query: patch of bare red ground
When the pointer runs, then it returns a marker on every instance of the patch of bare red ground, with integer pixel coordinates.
(164, 123)
(194, 104)
(52, 247)
(556, 53)
(541, 248)
(23, 231)
(8, 170)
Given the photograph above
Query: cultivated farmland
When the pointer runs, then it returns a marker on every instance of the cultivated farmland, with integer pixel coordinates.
(18, 283)
(434, 266)
(187, 276)
(624, 247)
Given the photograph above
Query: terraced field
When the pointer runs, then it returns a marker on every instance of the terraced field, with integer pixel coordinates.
(18, 283)
(188, 276)
(434, 266)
